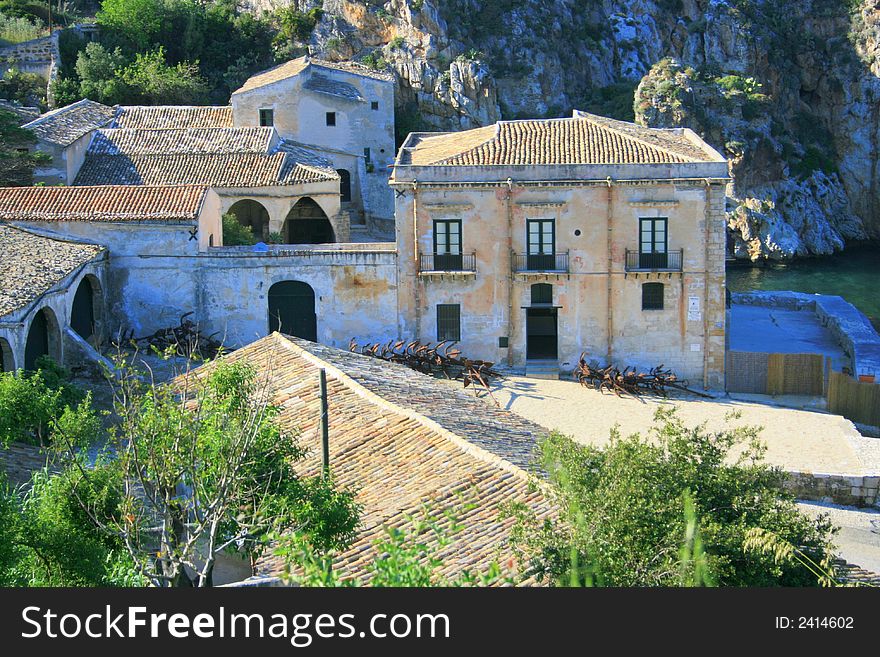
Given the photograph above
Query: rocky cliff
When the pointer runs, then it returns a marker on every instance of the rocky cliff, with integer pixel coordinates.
(788, 89)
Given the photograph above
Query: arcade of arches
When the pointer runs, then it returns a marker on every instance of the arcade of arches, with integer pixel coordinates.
(305, 223)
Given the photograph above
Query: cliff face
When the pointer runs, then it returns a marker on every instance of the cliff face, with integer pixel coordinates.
(788, 89)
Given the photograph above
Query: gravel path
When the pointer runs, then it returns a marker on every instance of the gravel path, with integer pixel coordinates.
(797, 440)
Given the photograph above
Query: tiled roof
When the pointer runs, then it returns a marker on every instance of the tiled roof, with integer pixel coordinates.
(296, 66)
(214, 170)
(582, 139)
(324, 85)
(507, 435)
(32, 264)
(171, 142)
(384, 445)
(173, 116)
(65, 125)
(110, 203)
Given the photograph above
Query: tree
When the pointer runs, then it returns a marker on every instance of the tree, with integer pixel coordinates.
(99, 73)
(30, 402)
(137, 21)
(235, 233)
(23, 88)
(205, 467)
(152, 81)
(17, 160)
(622, 512)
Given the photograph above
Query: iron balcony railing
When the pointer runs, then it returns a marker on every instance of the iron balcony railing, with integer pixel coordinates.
(544, 262)
(668, 261)
(447, 262)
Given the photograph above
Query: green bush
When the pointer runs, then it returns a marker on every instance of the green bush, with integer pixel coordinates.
(235, 233)
(622, 507)
(57, 539)
(31, 402)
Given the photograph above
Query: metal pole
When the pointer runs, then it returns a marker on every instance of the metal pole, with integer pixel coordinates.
(325, 434)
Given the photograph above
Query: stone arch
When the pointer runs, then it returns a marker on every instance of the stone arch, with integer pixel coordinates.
(43, 338)
(254, 215)
(307, 223)
(344, 185)
(86, 311)
(292, 309)
(7, 358)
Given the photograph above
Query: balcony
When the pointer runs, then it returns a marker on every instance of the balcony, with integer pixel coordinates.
(550, 263)
(430, 264)
(669, 261)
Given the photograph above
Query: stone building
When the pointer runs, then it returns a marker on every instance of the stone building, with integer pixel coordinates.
(342, 110)
(281, 191)
(530, 242)
(166, 258)
(51, 297)
(64, 134)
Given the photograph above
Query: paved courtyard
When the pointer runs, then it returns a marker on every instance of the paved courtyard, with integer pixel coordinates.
(797, 440)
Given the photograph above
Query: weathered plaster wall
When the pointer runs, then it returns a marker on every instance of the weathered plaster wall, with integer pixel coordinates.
(300, 115)
(354, 284)
(149, 278)
(493, 301)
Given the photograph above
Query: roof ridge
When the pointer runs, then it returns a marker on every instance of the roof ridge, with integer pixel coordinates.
(591, 118)
(361, 390)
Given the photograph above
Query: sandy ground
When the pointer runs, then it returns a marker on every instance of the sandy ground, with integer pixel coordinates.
(858, 540)
(797, 440)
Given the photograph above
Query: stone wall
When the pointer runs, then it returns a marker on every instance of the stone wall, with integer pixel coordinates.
(848, 490)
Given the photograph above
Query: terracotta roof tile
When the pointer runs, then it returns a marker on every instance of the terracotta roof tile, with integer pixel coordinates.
(582, 139)
(215, 170)
(173, 116)
(391, 443)
(104, 203)
(126, 141)
(65, 125)
(32, 264)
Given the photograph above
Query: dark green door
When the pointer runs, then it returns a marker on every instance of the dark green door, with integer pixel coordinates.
(292, 310)
(541, 339)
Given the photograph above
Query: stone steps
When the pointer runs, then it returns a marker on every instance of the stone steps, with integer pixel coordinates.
(542, 369)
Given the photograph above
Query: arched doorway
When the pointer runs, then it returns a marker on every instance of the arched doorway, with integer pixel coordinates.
(85, 311)
(7, 360)
(344, 185)
(292, 310)
(253, 215)
(43, 339)
(306, 223)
